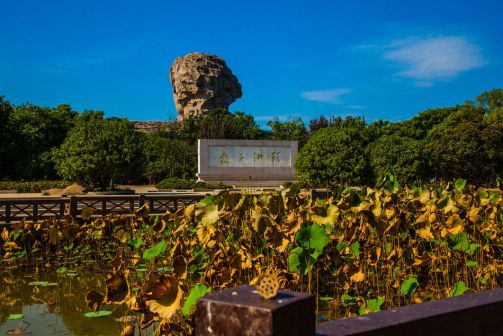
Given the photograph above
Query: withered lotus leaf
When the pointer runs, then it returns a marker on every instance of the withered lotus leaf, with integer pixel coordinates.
(53, 235)
(117, 287)
(127, 331)
(162, 295)
(117, 262)
(147, 320)
(94, 300)
(180, 267)
(87, 213)
(167, 328)
(126, 319)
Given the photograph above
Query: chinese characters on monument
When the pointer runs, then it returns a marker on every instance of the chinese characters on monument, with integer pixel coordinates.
(249, 156)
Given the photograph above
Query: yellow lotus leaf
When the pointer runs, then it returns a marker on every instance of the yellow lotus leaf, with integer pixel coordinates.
(377, 210)
(389, 212)
(276, 238)
(166, 311)
(455, 230)
(127, 331)
(425, 197)
(10, 246)
(421, 260)
(425, 233)
(451, 207)
(5, 235)
(361, 207)
(357, 277)
(291, 224)
(473, 215)
(208, 212)
(205, 232)
(453, 220)
(261, 221)
(332, 214)
(255, 280)
(423, 218)
(443, 232)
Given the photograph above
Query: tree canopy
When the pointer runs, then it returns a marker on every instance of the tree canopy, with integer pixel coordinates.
(98, 152)
(335, 155)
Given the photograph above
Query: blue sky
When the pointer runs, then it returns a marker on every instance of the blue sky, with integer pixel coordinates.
(380, 59)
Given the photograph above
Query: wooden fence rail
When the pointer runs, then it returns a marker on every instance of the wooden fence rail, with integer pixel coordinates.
(241, 311)
(36, 209)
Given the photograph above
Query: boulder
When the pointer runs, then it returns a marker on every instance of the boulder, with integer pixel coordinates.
(73, 190)
(202, 82)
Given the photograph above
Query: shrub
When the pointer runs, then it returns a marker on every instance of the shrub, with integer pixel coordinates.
(206, 185)
(334, 156)
(175, 183)
(32, 187)
(178, 183)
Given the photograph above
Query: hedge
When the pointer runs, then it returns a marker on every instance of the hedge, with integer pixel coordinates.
(32, 187)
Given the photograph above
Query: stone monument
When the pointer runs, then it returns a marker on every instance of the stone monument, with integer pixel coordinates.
(246, 162)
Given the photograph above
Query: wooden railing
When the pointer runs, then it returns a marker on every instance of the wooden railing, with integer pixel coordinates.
(241, 311)
(37, 209)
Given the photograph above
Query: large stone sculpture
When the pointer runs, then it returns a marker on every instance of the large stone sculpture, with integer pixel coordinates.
(202, 82)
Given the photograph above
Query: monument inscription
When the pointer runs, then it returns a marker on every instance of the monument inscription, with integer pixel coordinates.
(251, 156)
(245, 162)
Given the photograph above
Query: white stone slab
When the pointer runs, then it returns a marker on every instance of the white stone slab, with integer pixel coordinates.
(246, 162)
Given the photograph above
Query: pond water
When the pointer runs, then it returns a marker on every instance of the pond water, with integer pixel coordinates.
(58, 308)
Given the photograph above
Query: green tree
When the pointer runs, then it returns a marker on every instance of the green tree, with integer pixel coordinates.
(419, 126)
(6, 139)
(37, 131)
(98, 152)
(167, 158)
(219, 124)
(404, 157)
(335, 155)
(292, 129)
(490, 100)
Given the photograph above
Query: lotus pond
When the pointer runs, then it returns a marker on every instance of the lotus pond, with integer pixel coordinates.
(358, 251)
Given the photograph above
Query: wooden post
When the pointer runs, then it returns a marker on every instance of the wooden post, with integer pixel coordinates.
(242, 311)
(73, 206)
(61, 208)
(35, 212)
(7, 213)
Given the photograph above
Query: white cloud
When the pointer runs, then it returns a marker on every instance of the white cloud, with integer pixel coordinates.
(332, 96)
(428, 59)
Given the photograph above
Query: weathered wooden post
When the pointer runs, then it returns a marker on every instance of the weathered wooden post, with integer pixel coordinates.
(242, 311)
(74, 211)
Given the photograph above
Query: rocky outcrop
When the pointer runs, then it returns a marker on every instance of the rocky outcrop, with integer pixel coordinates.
(151, 126)
(202, 82)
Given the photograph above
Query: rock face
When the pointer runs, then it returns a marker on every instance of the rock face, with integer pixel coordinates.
(202, 82)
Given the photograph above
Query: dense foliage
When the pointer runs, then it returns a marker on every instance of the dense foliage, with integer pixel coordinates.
(98, 151)
(463, 141)
(334, 156)
(445, 143)
(358, 251)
